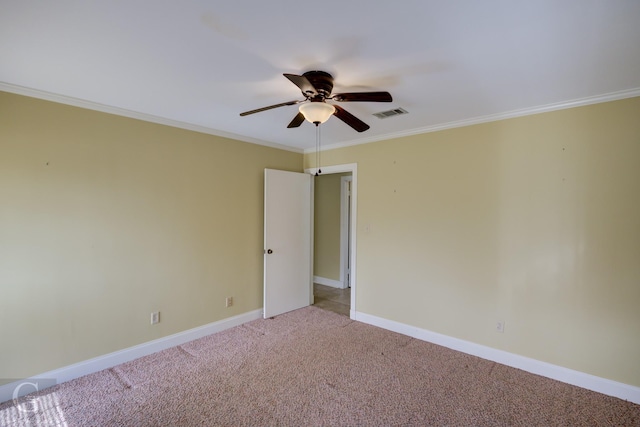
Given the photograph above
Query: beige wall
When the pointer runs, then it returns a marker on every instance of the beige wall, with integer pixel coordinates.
(327, 226)
(104, 219)
(533, 220)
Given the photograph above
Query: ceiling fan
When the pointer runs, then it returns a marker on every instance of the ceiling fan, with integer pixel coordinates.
(316, 87)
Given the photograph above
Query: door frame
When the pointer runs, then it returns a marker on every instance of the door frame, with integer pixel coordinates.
(345, 208)
(353, 168)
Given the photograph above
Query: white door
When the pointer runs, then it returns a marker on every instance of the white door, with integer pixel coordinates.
(288, 279)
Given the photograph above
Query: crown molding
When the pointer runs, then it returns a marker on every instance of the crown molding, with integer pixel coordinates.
(613, 96)
(77, 102)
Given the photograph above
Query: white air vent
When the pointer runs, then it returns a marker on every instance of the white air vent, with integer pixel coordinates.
(390, 113)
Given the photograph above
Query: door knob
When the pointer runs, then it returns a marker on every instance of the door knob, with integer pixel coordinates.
(269, 251)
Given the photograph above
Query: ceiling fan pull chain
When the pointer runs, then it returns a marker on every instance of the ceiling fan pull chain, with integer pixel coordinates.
(316, 151)
(319, 150)
(318, 158)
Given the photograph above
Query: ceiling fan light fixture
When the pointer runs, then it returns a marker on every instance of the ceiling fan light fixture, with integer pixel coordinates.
(317, 112)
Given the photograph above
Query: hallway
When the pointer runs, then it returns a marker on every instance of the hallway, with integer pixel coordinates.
(332, 299)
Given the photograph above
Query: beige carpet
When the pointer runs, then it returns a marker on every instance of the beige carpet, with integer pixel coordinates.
(312, 367)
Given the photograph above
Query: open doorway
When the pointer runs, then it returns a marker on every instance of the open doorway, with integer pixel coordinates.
(331, 275)
(335, 195)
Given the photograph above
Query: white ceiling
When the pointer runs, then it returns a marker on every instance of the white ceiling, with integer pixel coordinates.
(198, 64)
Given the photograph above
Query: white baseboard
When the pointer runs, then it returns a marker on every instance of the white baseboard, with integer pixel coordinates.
(21, 387)
(328, 282)
(569, 376)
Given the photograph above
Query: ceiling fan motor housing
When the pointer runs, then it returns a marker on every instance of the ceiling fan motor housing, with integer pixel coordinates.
(322, 81)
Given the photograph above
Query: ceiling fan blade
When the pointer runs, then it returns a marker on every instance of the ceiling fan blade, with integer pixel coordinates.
(246, 113)
(350, 119)
(297, 121)
(364, 96)
(303, 83)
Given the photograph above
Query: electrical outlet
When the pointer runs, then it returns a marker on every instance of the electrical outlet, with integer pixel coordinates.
(228, 302)
(155, 317)
(500, 326)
